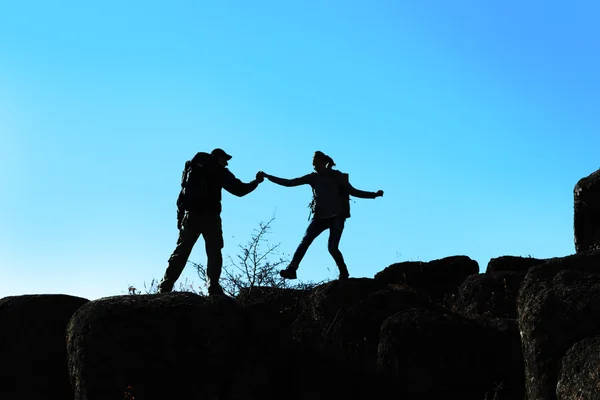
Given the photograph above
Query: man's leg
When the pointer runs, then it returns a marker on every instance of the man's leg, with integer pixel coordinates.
(315, 228)
(188, 235)
(335, 235)
(213, 240)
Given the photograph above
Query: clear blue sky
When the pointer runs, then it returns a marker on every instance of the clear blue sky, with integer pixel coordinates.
(475, 118)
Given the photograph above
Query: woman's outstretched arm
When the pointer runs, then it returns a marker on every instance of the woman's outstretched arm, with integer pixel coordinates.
(303, 180)
(362, 194)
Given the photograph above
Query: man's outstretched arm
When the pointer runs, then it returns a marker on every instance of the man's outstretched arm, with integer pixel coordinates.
(236, 187)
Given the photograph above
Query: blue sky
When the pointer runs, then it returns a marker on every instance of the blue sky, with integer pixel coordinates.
(475, 118)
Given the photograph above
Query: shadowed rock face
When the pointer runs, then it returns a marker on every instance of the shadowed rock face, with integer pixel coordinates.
(33, 353)
(493, 294)
(436, 279)
(322, 310)
(586, 218)
(558, 305)
(270, 362)
(436, 355)
(176, 345)
(355, 333)
(181, 345)
(513, 264)
(580, 371)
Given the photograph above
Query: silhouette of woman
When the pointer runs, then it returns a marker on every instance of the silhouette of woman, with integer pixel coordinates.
(330, 208)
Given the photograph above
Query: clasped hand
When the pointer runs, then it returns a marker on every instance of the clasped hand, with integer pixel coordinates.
(260, 176)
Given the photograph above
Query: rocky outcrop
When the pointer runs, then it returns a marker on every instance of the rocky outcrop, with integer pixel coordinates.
(513, 264)
(177, 345)
(355, 331)
(429, 354)
(32, 346)
(526, 328)
(586, 208)
(580, 371)
(436, 279)
(558, 305)
(493, 294)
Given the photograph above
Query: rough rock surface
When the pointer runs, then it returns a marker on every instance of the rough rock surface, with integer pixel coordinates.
(558, 305)
(580, 371)
(493, 294)
(513, 264)
(436, 279)
(586, 213)
(433, 355)
(175, 345)
(32, 346)
(355, 333)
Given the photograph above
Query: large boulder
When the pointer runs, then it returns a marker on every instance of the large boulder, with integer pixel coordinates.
(513, 264)
(493, 294)
(558, 305)
(321, 309)
(271, 361)
(436, 279)
(429, 354)
(174, 345)
(355, 333)
(580, 371)
(32, 346)
(270, 312)
(586, 216)
(328, 372)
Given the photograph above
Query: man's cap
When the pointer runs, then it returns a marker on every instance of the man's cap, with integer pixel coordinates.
(220, 153)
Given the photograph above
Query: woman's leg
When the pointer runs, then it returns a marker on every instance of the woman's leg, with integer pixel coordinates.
(336, 228)
(315, 228)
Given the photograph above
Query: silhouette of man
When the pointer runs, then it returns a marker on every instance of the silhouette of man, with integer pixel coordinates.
(202, 216)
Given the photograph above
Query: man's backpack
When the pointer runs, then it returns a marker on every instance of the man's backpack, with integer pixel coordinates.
(195, 180)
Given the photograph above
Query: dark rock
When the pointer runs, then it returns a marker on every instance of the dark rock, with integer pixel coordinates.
(505, 362)
(580, 371)
(433, 355)
(321, 309)
(175, 345)
(586, 216)
(436, 279)
(271, 361)
(331, 298)
(558, 305)
(32, 346)
(274, 363)
(493, 294)
(513, 264)
(270, 311)
(355, 333)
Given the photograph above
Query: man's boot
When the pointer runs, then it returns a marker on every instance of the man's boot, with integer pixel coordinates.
(215, 290)
(164, 286)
